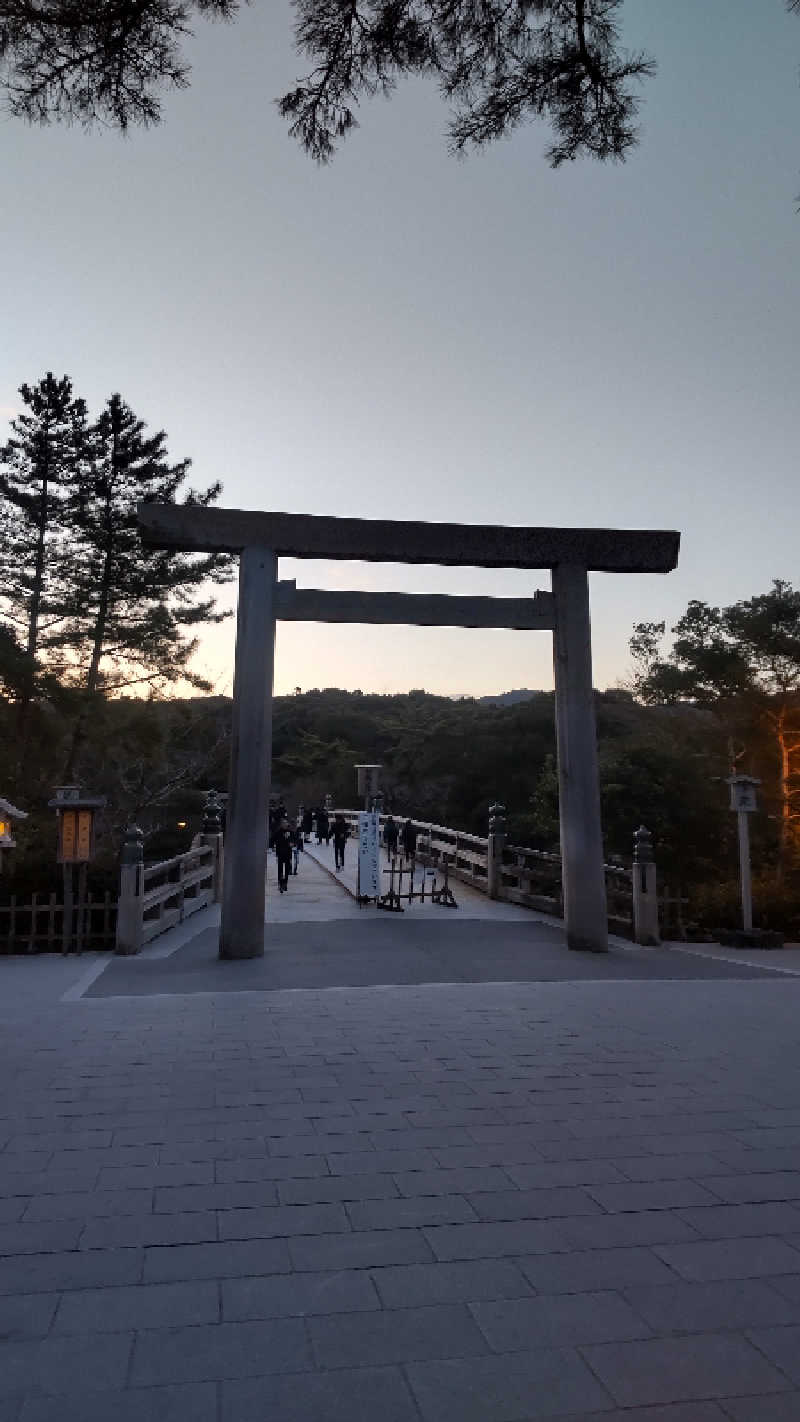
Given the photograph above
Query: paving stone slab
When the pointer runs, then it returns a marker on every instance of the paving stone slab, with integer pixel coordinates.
(781, 1346)
(494, 1240)
(668, 1167)
(615, 1231)
(778, 1407)
(583, 1271)
(68, 1365)
(652, 1195)
(234, 1166)
(53, 1272)
(196, 1402)
(27, 1315)
(298, 1295)
(330, 1188)
(184, 1199)
(452, 1182)
(534, 1204)
(39, 1237)
(282, 1221)
(463, 1281)
(546, 1383)
(741, 1258)
(555, 1173)
(141, 1307)
(361, 1249)
(346, 1395)
(229, 1350)
(395, 1336)
(672, 1412)
(738, 1221)
(215, 1261)
(746, 1189)
(705, 1308)
(705, 1365)
(89, 1204)
(410, 1211)
(130, 1230)
(558, 1321)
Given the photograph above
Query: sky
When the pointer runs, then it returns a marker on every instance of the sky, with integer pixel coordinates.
(402, 334)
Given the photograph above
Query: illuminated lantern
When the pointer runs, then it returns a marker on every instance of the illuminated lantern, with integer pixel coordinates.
(75, 817)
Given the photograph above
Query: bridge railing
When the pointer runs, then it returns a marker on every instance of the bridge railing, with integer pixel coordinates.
(531, 877)
(155, 897)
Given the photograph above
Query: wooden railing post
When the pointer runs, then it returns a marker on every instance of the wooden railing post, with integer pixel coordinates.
(129, 910)
(494, 850)
(645, 898)
(212, 836)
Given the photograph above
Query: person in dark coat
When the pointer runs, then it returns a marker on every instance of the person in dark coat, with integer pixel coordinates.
(322, 826)
(409, 838)
(308, 821)
(390, 834)
(340, 833)
(283, 851)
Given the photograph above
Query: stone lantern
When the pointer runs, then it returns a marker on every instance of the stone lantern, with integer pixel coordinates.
(8, 813)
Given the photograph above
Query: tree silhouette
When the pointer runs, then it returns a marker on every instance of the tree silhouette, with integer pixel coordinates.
(497, 64)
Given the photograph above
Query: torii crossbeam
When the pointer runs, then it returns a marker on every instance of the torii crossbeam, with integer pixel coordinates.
(261, 538)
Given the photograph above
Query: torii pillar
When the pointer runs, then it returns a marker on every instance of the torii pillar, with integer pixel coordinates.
(583, 880)
(244, 880)
(261, 538)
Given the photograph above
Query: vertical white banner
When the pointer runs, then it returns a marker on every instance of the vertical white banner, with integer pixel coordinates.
(369, 872)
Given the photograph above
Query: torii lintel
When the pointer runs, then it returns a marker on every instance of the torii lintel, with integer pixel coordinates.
(206, 529)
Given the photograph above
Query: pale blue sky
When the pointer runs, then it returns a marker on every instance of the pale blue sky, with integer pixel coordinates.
(405, 335)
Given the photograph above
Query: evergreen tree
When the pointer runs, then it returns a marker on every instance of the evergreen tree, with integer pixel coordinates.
(131, 607)
(743, 661)
(38, 465)
(497, 64)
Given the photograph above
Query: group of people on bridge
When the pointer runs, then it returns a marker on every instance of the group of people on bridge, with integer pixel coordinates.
(288, 841)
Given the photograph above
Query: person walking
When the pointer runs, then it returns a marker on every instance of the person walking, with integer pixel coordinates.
(322, 826)
(340, 833)
(283, 851)
(308, 821)
(297, 846)
(390, 834)
(409, 839)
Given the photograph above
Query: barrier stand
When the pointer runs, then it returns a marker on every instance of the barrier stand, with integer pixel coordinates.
(444, 896)
(391, 900)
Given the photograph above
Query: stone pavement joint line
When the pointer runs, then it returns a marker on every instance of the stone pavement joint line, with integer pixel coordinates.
(431, 1202)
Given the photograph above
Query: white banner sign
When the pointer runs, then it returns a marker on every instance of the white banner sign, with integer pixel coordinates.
(369, 871)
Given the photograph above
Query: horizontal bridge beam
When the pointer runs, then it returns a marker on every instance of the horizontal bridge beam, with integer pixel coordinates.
(208, 529)
(293, 604)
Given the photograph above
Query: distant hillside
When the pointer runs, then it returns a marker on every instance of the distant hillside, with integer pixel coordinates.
(510, 698)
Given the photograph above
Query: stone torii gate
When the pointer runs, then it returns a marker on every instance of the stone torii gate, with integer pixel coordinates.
(261, 538)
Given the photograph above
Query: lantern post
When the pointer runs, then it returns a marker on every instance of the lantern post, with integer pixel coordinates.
(743, 801)
(75, 820)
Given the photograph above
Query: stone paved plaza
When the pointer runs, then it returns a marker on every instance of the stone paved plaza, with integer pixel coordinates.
(470, 1201)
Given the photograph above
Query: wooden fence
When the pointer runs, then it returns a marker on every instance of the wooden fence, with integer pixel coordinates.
(37, 926)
